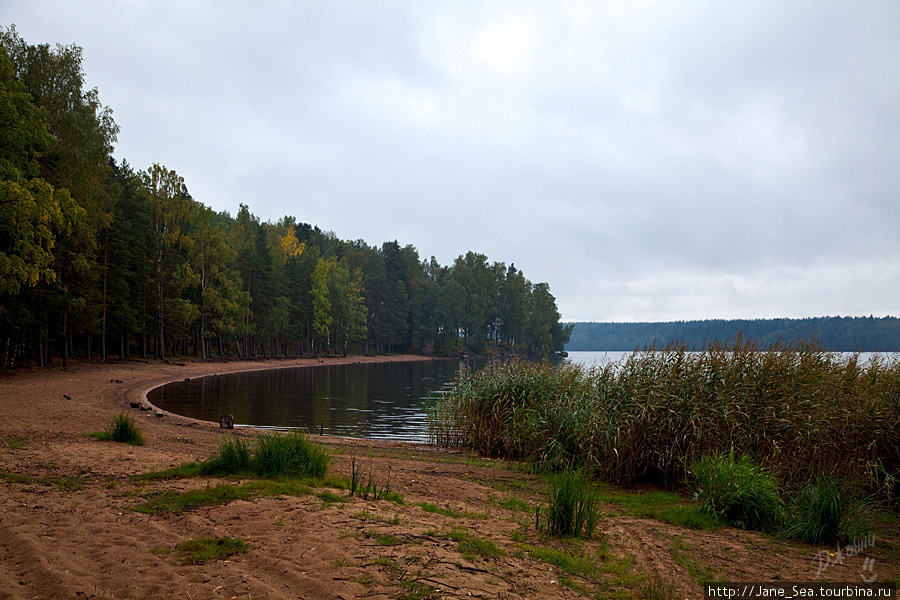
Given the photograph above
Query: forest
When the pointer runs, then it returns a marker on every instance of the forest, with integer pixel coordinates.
(838, 334)
(100, 260)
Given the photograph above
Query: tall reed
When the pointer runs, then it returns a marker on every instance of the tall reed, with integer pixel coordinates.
(800, 411)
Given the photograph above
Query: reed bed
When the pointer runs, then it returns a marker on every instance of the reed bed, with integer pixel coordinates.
(801, 412)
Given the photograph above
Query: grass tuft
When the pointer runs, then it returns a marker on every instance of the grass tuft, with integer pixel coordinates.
(364, 487)
(827, 512)
(738, 492)
(573, 508)
(270, 455)
(122, 429)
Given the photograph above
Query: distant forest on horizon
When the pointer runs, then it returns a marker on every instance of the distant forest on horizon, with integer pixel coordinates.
(838, 334)
(98, 260)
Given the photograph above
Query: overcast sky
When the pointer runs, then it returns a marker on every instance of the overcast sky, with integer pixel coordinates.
(650, 160)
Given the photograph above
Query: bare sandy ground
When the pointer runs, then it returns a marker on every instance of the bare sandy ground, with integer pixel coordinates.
(68, 528)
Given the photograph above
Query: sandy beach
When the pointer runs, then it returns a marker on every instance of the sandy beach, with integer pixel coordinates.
(68, 528)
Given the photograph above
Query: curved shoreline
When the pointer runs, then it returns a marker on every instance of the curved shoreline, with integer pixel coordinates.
(271, 365)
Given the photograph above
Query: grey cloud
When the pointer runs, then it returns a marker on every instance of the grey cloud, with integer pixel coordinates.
(651, 161)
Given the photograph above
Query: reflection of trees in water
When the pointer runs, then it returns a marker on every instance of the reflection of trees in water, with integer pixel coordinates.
(382, 400)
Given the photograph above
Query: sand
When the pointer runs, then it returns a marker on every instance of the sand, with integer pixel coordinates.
(68, 528)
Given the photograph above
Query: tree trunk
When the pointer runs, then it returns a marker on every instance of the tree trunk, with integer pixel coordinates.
(65, 353)
(103, 355)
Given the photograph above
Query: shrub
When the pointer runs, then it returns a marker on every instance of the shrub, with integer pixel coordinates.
(738, 491)
(827, 512)
(573, 507)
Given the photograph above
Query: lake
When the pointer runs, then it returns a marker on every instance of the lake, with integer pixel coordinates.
(365, 400)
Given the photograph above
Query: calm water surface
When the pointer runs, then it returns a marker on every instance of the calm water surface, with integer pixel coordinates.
(367, 400)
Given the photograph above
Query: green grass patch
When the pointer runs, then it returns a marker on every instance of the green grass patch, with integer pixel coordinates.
(516, 504)
(668, 507)
(15, 442)
(575, 561)
(681, 554)
(472, 547)
(122, 429)
(438, 510)
(657, 589)
(176, 501)
(328, 497)
(416, 590)
(203, 550)
(449, 512)
(17, 477)
(66, 483)
(185, 471)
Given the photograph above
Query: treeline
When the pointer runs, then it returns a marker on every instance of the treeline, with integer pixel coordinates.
(839, 334)
(100, 260)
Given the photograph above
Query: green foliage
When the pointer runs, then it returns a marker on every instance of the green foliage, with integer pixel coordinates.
(122, 429)
(883, 485)
(738, 491)
(573, 509)
(95, 252)
(270, 455)
(827, 512)
(574, 561)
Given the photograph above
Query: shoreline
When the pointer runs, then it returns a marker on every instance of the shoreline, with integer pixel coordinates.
(268, 365)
